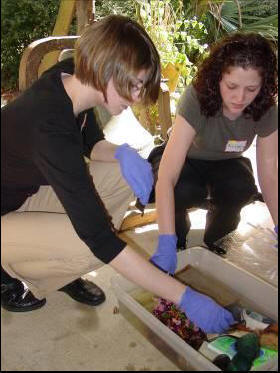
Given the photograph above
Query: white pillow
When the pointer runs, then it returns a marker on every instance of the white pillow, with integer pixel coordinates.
(125, 128)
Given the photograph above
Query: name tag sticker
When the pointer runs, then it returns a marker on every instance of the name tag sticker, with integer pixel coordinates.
(235, 146)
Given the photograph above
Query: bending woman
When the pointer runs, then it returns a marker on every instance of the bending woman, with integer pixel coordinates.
(47, 132)
(230, 102)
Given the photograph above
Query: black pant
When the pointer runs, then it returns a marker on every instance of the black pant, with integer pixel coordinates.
(11, 200)
(229, 184)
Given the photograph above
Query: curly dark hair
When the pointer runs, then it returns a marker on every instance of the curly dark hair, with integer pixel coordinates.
(246, 50)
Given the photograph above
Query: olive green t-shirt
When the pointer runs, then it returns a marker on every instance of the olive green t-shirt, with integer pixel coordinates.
(218, 137)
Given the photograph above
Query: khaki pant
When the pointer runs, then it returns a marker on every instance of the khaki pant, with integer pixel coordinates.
(45, 269)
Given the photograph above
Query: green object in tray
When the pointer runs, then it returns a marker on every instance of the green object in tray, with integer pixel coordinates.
(266, 354)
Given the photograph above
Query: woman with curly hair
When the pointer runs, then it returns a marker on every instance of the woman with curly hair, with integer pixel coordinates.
(231, 100)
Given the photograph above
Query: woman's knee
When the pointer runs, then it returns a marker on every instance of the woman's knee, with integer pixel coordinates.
(234, 192)
(107, 177)
(188, 195)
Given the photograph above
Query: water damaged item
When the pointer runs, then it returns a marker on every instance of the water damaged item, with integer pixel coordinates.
(215, 276)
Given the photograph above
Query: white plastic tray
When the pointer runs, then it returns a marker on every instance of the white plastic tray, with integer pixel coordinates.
(260, 295)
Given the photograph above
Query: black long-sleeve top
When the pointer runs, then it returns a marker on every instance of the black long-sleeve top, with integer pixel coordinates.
(43, 143)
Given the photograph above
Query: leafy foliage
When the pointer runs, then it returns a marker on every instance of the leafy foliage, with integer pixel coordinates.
(180, 41)
(244, 18)
(180, 35)
(124, 7)
(264, 8)
(226, 16)
(21, 23)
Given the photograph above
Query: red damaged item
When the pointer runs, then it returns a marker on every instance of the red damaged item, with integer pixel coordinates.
(177, 321)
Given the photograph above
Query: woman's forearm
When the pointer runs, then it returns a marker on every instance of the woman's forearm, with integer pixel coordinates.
(137, 269)
(267, 166)
(269, 188)
(165, 207)
(171, 164)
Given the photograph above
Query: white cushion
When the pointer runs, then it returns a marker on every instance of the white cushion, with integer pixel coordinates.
(125, 128)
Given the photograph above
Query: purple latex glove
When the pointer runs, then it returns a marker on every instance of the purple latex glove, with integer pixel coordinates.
(165, 257)
(276, 231)
(205, 312)
(137, 172)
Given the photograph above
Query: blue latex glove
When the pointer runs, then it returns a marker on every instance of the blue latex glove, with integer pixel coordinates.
(165, 257)
(276, 231)
(137, 172)
(205, 312)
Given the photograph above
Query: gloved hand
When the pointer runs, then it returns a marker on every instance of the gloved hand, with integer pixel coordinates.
(205, 312)
(276, 231)
(136, 171)
(165, 257)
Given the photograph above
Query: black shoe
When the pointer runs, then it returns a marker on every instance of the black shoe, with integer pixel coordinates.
(84, 291)
(15, 298)
(232, 240)
(217, 249)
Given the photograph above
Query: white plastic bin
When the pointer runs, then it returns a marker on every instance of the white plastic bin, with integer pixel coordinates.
(261, 296)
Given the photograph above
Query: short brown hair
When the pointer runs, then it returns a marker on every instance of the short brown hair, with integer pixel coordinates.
(118, 47)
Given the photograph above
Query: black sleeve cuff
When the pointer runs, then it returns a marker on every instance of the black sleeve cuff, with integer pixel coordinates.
(106, 248)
